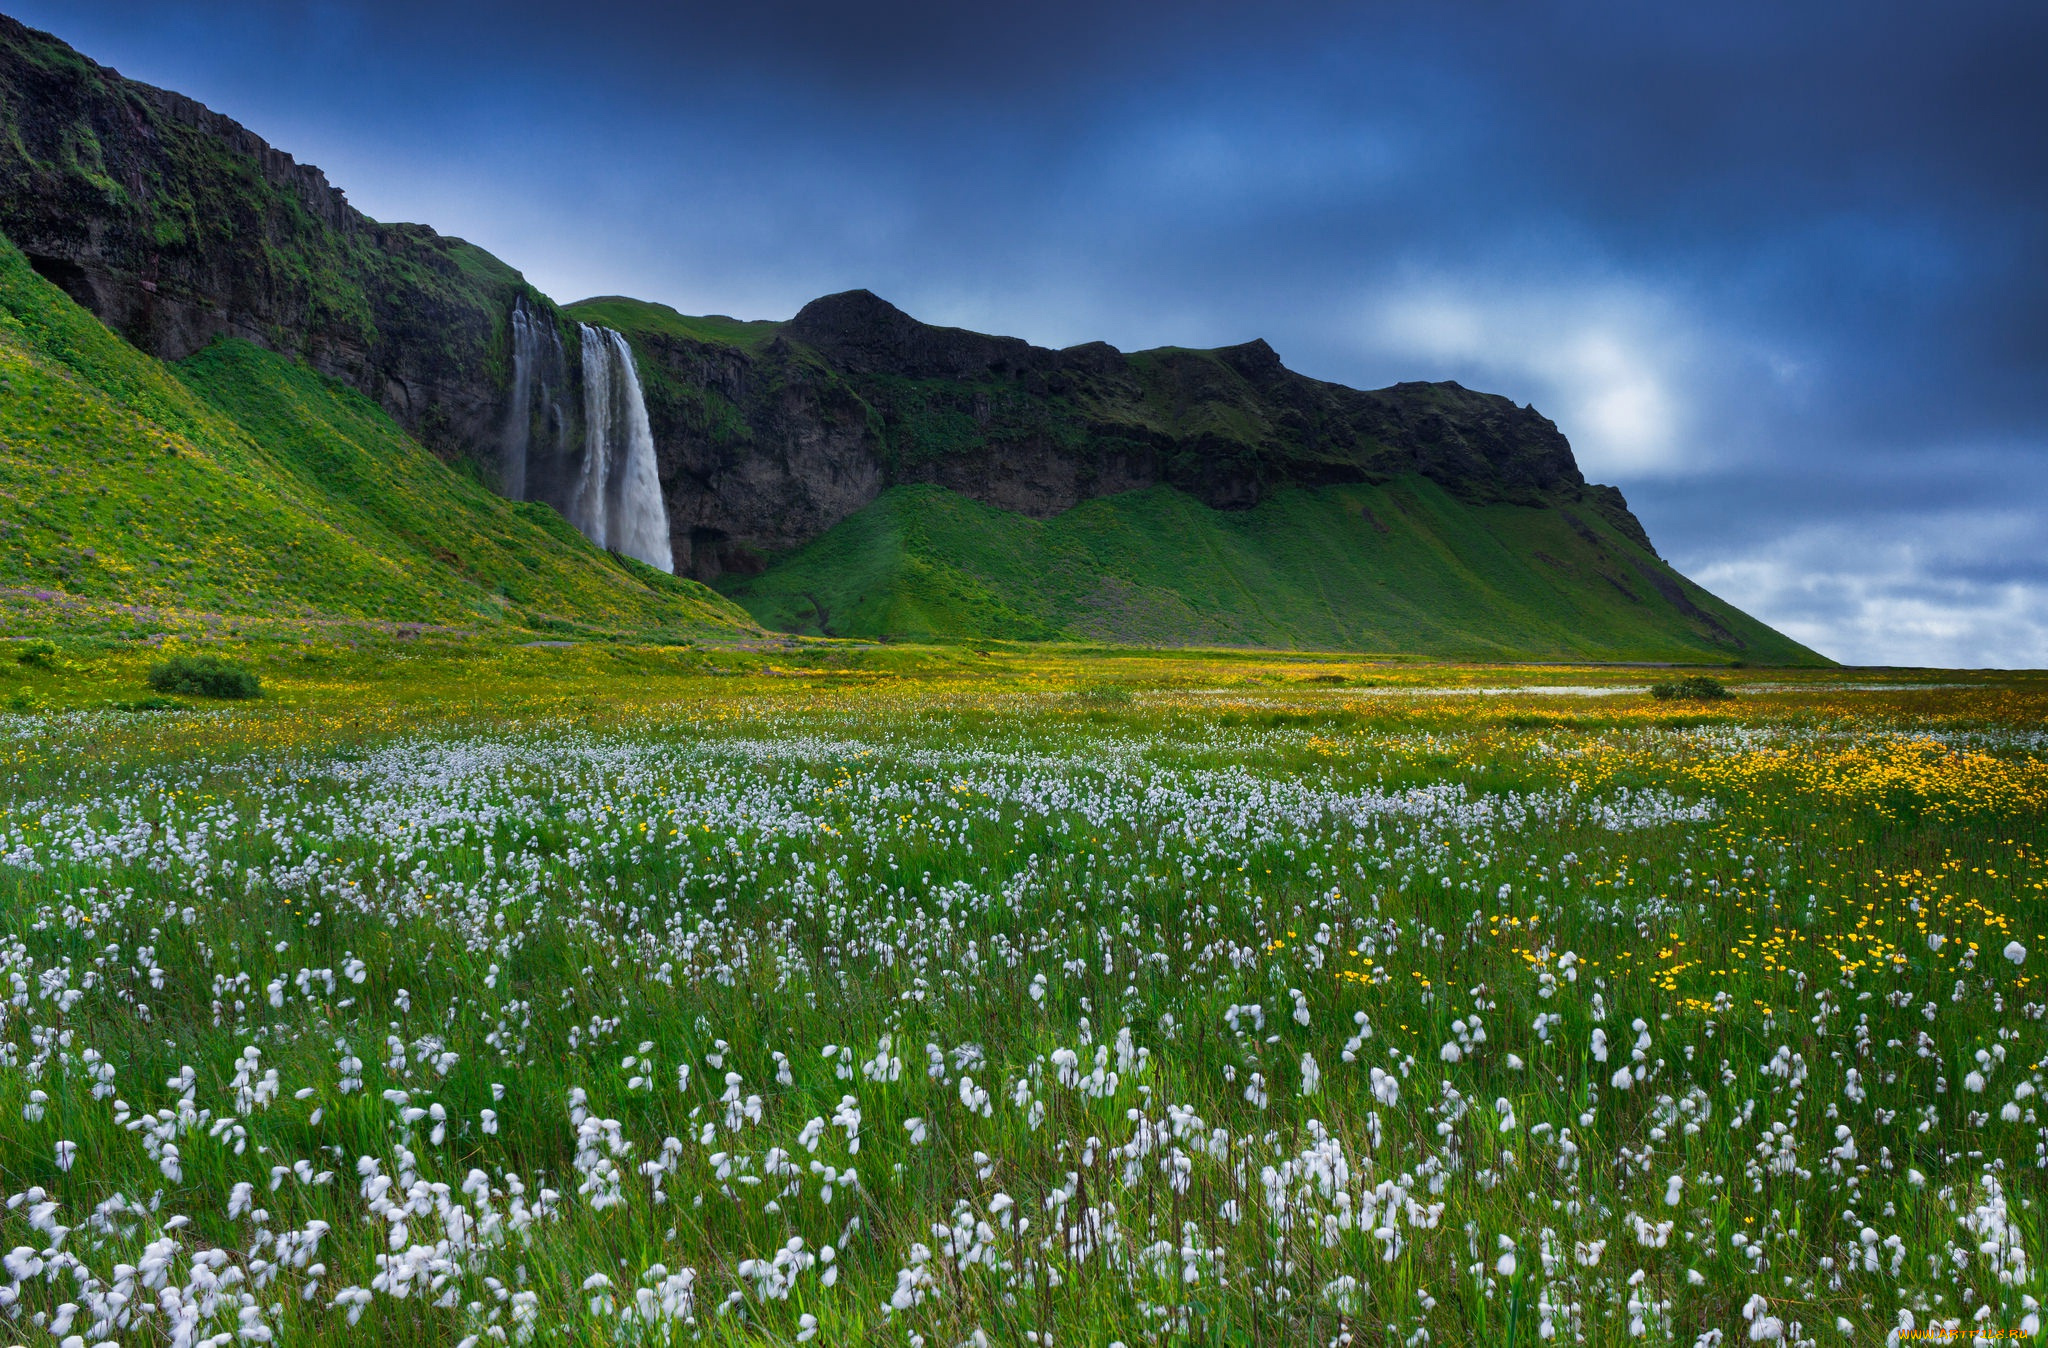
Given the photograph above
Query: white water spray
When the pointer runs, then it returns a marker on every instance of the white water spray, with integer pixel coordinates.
(617, 497)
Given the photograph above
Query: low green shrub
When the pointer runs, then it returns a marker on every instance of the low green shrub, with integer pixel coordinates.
(205, 676)
(38, 654)
(1691, 688)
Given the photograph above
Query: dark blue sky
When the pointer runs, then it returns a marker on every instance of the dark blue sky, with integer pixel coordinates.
(1779, 271)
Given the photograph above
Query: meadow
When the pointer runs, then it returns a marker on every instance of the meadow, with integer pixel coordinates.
(470, 994)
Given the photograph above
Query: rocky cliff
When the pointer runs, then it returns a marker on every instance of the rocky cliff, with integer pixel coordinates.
(770, 433)
(176, 225)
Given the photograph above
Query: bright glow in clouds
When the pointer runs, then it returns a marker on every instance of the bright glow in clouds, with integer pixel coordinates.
(1602, 366)
(1765, 285)
(1645, 392)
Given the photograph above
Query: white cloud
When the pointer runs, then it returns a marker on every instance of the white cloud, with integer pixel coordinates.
(1925, 590)
(1606, 365)
(1645, 391)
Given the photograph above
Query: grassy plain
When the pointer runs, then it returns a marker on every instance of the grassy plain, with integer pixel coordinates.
(458, 991)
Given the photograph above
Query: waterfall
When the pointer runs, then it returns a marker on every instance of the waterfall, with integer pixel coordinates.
(616, 500)
(539, 373)
(588, 500)
(519, 418)
(640, 516)
(613, 493)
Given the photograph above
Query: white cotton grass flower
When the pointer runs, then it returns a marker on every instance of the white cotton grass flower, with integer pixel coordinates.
(2016, 952)
(354, 1300)
(1763, 1326)
(1935, 941)
(1386, 1088)
(1171, 1120)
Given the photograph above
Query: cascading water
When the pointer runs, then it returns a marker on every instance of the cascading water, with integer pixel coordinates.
(589, 499)
(640, 518)
(519, 418)
(539, 374)
(613, 492)
(617, 501)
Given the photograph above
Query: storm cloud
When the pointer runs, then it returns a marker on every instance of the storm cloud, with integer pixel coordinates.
(1778, 271)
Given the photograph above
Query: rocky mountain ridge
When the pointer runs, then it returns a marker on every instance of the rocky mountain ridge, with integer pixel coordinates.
(770, 433)
(175, 226)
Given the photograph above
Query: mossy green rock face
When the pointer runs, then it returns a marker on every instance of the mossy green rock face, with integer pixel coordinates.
(176, 225)
(771, 433)
(237, 482)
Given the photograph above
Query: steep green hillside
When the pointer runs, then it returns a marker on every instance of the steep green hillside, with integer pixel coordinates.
(238, 482)
(1400, 567)
(174, 225)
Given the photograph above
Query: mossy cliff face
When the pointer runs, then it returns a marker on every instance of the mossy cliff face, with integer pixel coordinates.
(138, 496)
(176, 225)
(770, 433)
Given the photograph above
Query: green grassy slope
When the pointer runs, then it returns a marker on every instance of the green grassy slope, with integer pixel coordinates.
(238, 482)
(642, 317)
(166, 219)
(1400, 567)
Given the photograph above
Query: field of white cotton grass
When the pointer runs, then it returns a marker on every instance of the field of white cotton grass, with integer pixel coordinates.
(931, 1019)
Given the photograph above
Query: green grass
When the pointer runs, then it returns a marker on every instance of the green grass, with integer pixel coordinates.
(526, 888)
(639, 317)
(1402, 567)
(240, 483)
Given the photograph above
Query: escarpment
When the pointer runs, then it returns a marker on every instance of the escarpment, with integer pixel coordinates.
(770, 432)
(176, 225)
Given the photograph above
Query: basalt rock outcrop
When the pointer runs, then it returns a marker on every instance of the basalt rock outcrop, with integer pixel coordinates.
(770, 433)
(176, 225)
